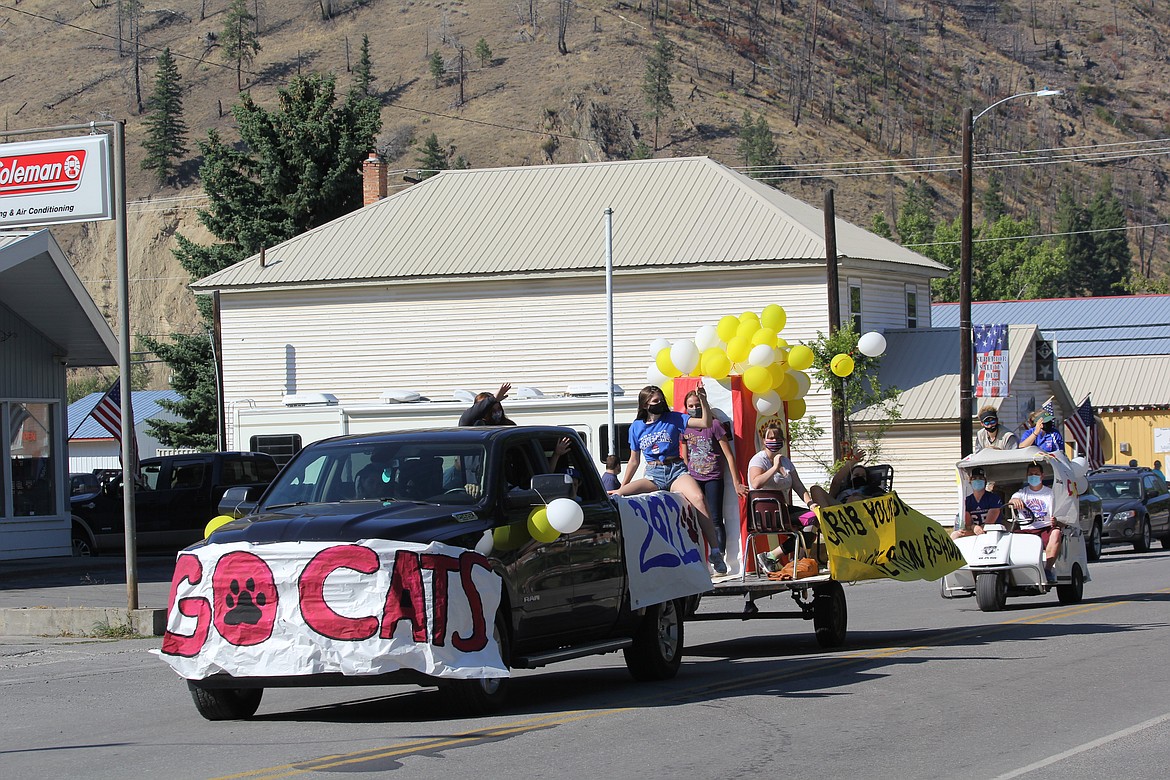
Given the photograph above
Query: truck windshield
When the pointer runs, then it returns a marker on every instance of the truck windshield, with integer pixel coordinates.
(442, 472)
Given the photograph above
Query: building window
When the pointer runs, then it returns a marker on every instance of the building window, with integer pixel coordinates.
(32, 459)
(855, 304)
(911, 306)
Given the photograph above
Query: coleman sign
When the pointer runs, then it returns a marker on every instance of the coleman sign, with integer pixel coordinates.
(55, 181)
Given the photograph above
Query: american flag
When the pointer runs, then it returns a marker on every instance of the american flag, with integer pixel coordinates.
(1083, 428)
(1047, 407)
(991, 360)
(108, 413)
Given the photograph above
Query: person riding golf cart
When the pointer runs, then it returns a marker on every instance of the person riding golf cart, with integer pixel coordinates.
(1008, 558)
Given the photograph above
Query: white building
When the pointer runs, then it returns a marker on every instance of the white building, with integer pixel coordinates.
(47, 322)
(476, 277)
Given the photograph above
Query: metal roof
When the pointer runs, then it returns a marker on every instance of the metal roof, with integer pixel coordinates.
(1082, 327)
(550, 219)
(1130, 381)
(144, 402)
(923, 364)
(40, 286)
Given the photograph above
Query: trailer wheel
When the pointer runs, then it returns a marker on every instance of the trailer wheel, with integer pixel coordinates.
(830, 614)
(658, 644)
(226, 703)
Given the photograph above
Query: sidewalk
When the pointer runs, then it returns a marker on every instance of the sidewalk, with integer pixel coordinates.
(82, 596)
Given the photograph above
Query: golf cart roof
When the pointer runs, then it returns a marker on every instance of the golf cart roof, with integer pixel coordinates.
(1021, 457)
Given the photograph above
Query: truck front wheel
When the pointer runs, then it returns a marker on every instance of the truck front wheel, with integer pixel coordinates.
(658, 645)
(226, 703)
(489, 694)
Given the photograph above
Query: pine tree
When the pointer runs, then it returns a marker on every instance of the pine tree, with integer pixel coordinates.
(297, 167)
(757, 145)
(363, 73)
(993, 205)
(438, 69)
(166, 134)
(433, 158)
(1111, 247)
(240, 42)
(1079, 252)
(483, 51)
(656, 83)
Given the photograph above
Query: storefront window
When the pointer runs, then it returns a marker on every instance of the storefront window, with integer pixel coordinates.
(32, 459)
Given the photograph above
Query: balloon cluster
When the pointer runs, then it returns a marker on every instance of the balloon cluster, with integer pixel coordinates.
(870, 344)
(561, 516)
(749, 345)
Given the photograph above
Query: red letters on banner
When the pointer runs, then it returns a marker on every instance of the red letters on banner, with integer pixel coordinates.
(318, 615)
(188, 567)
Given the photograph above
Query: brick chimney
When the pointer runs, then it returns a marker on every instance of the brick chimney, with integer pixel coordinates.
(373, 179)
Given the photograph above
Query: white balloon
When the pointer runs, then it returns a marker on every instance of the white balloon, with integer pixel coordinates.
(706, 337)
(803, 383)
(654, 376)
(486, 543)
(871, 344)
(762, 355)
(657, 345)
(767, 403)
(685, 356)
(565, 515)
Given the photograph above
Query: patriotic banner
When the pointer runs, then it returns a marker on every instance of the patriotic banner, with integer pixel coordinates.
(1082, 426)
(301, 608)
(991, 361)
(108, 413)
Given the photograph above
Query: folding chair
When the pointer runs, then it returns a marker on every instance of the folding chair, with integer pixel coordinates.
(768, 515)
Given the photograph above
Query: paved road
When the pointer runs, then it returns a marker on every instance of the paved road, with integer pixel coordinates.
(925, 688)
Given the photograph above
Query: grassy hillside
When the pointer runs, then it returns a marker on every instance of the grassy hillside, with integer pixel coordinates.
(839, 82)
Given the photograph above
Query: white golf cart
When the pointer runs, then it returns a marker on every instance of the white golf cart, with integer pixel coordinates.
(1001, 563)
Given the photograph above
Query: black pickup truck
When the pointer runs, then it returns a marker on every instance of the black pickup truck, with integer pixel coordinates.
(472, 488)
(178, 495)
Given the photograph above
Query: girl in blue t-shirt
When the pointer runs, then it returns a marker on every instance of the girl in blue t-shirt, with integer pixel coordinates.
(655, 435)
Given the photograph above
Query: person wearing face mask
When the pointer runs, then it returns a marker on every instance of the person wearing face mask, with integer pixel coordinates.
(656, 434)
(1036, 497)
(701, 448)
(486, 410)
(1044, 435)
(980, 508)
(859, 487)
(770, 469)
(992, 436)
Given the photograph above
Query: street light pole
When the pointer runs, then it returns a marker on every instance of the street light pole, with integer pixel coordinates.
(966, 360)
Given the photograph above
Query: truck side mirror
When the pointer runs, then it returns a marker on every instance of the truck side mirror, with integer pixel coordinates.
(238, 501)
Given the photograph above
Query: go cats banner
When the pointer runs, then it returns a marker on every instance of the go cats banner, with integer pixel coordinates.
(302, 608)
(884, 538)
(664, 557)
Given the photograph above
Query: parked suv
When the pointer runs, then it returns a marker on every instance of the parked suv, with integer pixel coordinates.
(1135, 506)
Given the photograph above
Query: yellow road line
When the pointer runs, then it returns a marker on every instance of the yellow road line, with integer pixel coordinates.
(573, 716)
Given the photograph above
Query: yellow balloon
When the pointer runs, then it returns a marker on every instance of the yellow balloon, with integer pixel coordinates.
(841, 365)
(727, 327)
(781, 343)
(538, 525)
(777, 372)
(795, 410)
(738, 349)
(664, 364)
(764, 336)
(757, 379)
(746, 329)
(773, 316)
(509, 537)
(800, 357)
(781, 358)
(668, 392)
(750, 316)
(214, 524)
(714, 363)
(787, 389)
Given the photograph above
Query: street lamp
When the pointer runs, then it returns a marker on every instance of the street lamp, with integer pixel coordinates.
(966, 361)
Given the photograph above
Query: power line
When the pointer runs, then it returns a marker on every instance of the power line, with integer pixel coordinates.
(1042, 235)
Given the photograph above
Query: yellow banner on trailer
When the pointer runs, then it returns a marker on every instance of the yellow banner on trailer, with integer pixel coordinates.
(884, 537)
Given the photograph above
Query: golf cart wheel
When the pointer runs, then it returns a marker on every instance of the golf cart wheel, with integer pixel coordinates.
(991, 591)
(226, 703)
(830, 614)
(1093, 546)
(658, 644)
(1145, 537)
(1072, 593)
